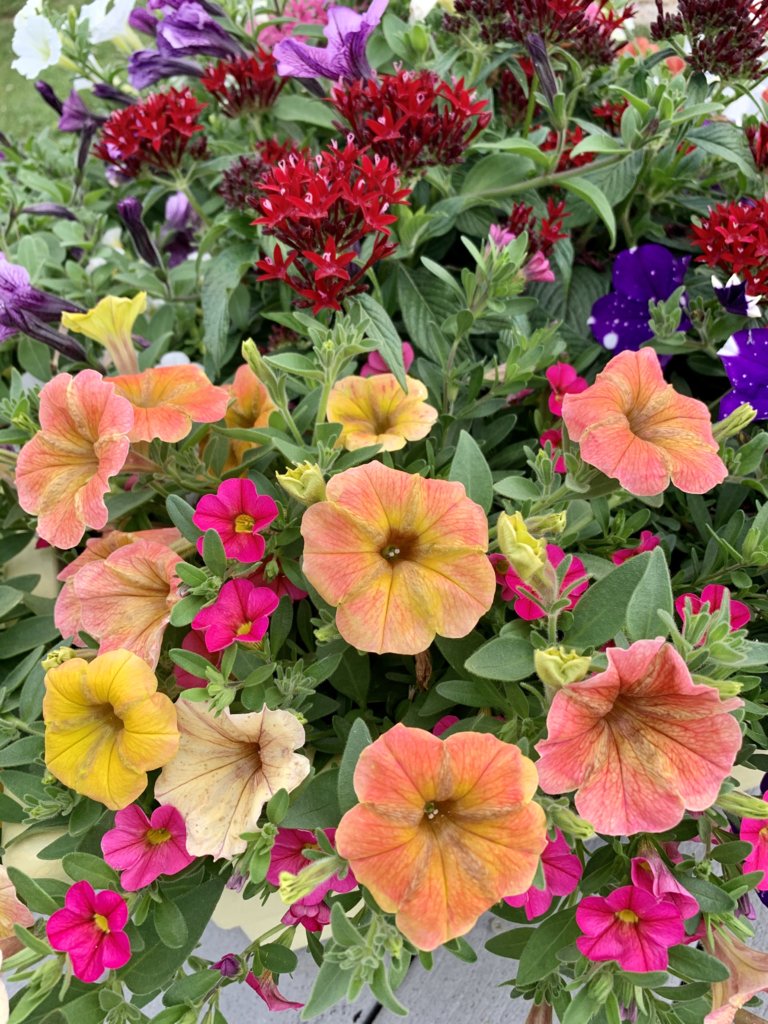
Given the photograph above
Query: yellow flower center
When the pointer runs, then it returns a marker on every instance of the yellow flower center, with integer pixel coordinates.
(157, 836)
(244, 523)
(101, 922)
(431, 810)
(764, 834)
(245, 628)
(627, 916)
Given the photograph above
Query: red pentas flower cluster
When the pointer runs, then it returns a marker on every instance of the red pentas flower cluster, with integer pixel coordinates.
(757, 137)
(240, 182)
(611, 112)
(726, 39)
(573, 137)
(585, 27)
(246, 84)
(323, 209)
(413, 118)
(154, 133)
(734, 238)
(542, 232)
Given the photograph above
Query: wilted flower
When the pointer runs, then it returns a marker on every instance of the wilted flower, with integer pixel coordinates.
(631, 927)
(347, 33)
(227, 768)
(27, 309)
(131, 213)
(651, 874)
(556, 666)
(90, 928)
(376, 410)
(146, 67)
(106, 726)
(189, 30)
(12, 911)
(304, 482)
(529, 601)
(167, 400)
(144, 848)
(265, 987)
(748, 974)
(110, 323)
(523, 553)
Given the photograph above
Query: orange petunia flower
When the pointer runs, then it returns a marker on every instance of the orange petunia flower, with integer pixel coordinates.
(126, 598)
(376, 410)
(402, 558)
(250, 407)
(63, 473)
(640, 742)
(635, 427)
(167, 400)
(444, 829)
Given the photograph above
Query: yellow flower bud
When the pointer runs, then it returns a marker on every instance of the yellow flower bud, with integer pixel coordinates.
(743, 806)
(557, 667)
(553, 523)
(525, 553)
(570, 823)
(59, 656)
(304, 482)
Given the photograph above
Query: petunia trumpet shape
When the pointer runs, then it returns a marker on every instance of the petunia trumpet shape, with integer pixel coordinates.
(240, 613)
(652, 875)
(110, 323)
(376, 410)
(227, 768)
(344, 55)
(238, 513)
(106, 726)
(63, 473)
(402, 558)
(265, 986)
(562, 874)
(12, 911)
(748, 975)
(288, 854)
(90, 928)
(631, 927)
(633, 426)
(167, 400)
(144, 848)
(639, 742)
(444, 829)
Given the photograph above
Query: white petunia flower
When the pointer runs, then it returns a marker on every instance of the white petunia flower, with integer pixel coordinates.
(36, 44)
(103, 25)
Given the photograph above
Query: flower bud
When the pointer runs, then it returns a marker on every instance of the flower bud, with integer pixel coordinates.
(725, 687)
(296, 887)
(55, 658)
(526, 554)
(130, 212)
(304, 482)
(557, 667)
(743, 806)
(732, 425)
(571, 824)
(601, 987)
(553, 523)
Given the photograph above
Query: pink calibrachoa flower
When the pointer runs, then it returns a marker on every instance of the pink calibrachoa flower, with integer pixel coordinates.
(538, 268)
(444, 724)
(748, 974)
(89, 928)
(631, 927)
(713, 595)
(563, 380)
(278, 582)
(755, 831)
(63, 473)
(375, 362)
(312, 916)
(12, 911)
(555, 438)
(194, 642)
(265, 987)
(640, 742)
(527, 601)
(562, 874)
(167, 400)
(238, 513)
(648, 541)
(126, 598)
(240, 614)
(144, 848)
(633, 426)
(652, 875)
(288, 855)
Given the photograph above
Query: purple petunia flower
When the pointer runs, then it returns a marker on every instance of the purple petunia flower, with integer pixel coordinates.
(76, 117)
(643, 274)
(145, 67)
(174, 5)
(191, 31)
(178, 232)
(131, 213)
(745, 359)
(733, 297)
(143, 21)
(27, 309)
(347, 33)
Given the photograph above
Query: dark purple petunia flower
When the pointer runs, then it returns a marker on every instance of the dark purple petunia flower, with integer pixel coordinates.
(29, 310)
(644, 274)
(174, 5)
(104, 91)
(49, 210)
(745, 359)
(178, 232)
(50, 97)
(733, 297)
(347, 33)
(145, 67)
(76, 117)
(143, 21)
(131, 213)
(191, 31)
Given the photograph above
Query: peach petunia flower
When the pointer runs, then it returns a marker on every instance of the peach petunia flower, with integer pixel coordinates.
(402, 558)
(126, 598)
(63, 473)
(106, 726)
(110, 323)
(748, 977)
(250, 407)
(376, 410)
(444, 829)
(12, 911)
(66, 613)
(227, 768)
(167, 400)
(633, 426)
(640, 742)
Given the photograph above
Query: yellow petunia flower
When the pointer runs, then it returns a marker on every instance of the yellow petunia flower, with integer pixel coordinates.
(376, 410)
(110, 322)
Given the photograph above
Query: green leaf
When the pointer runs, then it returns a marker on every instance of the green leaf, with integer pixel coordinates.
(221, 276)
(180, 513)
(31, 696)
(9, 598)
(278, 959)
(731, 853)
(86, 867)
(506, 658)
(518, 488)
(35, 897)
(696, 965)
(425, 303)
(22, 752)
(330, 988)
(344, 932)
(303, 110)
(539, 958)
(214, 555)
(472, 694)
(359, 738)
(596, 198)
(491, 177)
(602, 610)
(510, 944)
(382, 990)
(725, 140)
(652, 595)
(469, 467)
(25, 635)
(317, 805)
(382, 331)
(190, 988)
(711, 898)
(170, 924)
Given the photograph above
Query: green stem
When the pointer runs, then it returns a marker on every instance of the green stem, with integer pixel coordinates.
(322, 405)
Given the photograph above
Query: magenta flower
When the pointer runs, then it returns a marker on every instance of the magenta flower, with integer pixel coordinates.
(713, 595)
(648, 541)
(288, 855)
(444, 724)
(562, 874)
(375, 363)
(239, 614)
(144, 848)
(265, 987)
(89, 928)
(312, 916)
(238, 513)
(195, 643)
(278, 583)
(538, 268)
(555, 438)
(652, 875)
(527, 601)
(563, 380)
(631, 927)
(755, 831)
